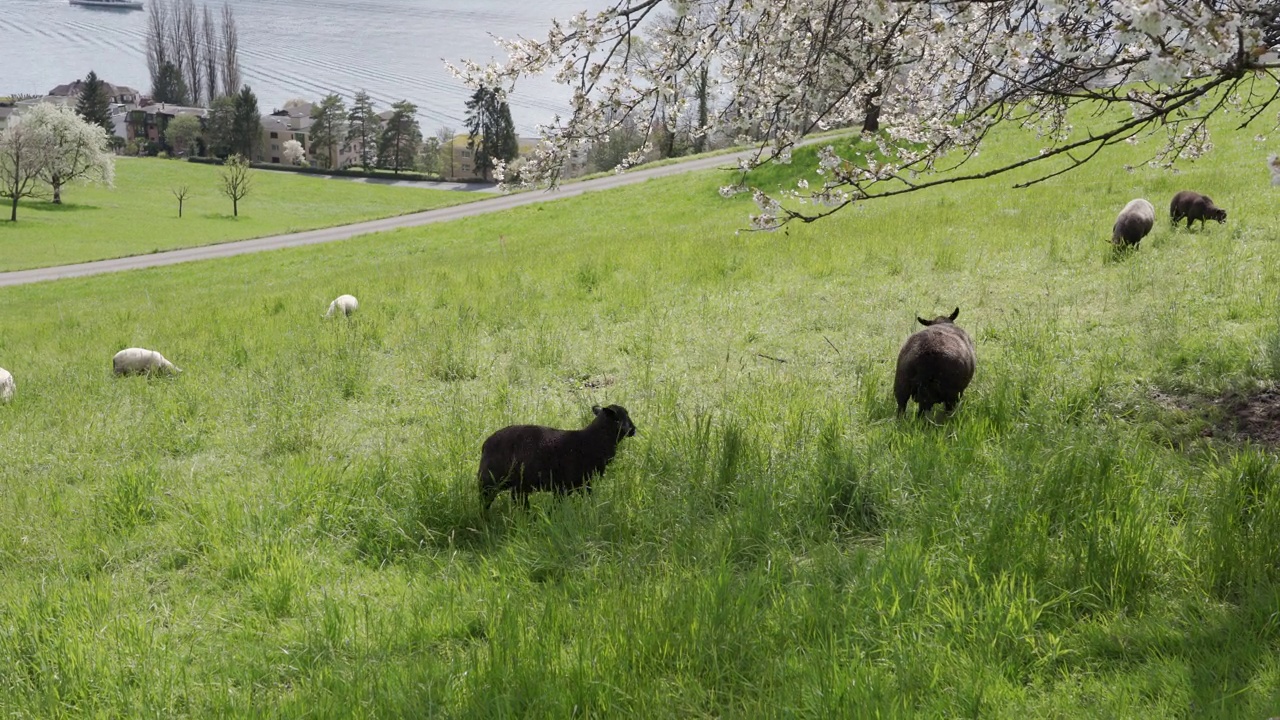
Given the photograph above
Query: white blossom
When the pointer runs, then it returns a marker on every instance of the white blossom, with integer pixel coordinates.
(935, 76)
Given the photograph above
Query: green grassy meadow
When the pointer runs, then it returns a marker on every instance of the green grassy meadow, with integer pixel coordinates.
(139, 214)
(291, 528)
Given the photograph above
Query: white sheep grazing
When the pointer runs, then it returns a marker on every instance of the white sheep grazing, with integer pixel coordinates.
(7, 386)
(139, 361)
(345, 304)
(1273, 163)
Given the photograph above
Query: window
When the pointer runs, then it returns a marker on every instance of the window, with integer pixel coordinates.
(274, 135)
(275, 160)
(275, 146)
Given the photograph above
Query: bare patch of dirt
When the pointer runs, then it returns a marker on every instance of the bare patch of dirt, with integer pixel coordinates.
(1236, 416)
(1255, 416)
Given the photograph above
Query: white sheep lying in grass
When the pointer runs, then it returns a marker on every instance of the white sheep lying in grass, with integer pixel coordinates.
(345, 304)
(7, 386)
(139, 361)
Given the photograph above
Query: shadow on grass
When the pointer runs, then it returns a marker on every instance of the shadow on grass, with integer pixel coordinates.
(49, 206)
(220, 216)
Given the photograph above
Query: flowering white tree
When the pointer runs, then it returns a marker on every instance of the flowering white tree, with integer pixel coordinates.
(24, 153)
(294, 153)
(78, 149)
(929, 78)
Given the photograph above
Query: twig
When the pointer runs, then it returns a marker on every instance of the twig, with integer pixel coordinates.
(833, 345)
(770, 357)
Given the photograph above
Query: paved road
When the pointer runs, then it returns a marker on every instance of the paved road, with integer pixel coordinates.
(343, 232)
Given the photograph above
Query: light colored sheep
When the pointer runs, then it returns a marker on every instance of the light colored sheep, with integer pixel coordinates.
(1134, 222)
(528, 458)
(140, 361)
(345, 304)
(1273, 163)
(935, 365)
(7, 386)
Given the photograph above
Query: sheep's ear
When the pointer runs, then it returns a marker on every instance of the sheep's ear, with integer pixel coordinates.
(610, 413)
(954, 314)
(595, 409)
(923, 322)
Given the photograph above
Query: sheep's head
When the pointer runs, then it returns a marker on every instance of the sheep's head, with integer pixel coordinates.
(1218, 214)
(616, 415)
(941, 319)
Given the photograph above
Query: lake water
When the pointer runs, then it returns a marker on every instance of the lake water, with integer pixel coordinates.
(393, 49)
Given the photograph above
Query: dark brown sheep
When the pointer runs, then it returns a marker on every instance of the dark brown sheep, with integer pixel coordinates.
(935, 365)
(529, 458)
(1133, 223)
(1194, 206)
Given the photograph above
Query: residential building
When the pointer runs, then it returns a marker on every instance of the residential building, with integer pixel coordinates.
(281, 126)
(147, 124)
(121, 94)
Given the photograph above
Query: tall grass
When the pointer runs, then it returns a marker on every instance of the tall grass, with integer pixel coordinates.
(292, 526)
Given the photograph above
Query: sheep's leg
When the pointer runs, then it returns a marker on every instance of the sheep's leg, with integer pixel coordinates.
(924, 408)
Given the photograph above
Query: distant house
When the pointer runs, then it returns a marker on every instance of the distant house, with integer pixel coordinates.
(147, 124)
(281, 126)
(120, 94)
(7, 110)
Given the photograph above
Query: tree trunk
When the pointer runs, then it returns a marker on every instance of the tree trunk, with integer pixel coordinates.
(871, 120)
(57, 190)
(13, 216)
(700, 141)
(235, 208)
(179, 209)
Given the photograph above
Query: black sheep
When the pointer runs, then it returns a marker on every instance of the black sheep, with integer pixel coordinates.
(529, 458)
(935, 365)
(1194, 206)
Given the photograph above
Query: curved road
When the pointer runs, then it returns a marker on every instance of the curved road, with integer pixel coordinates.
(343, 232)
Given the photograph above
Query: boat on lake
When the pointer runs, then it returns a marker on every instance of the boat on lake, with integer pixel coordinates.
(111, 4)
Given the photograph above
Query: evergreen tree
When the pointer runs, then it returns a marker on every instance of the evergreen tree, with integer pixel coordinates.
(94, 105)
(219, 135)
(246, 123)
(329, 128)
(491, 134)
(400, 140)
(169, 86)
(363, 128)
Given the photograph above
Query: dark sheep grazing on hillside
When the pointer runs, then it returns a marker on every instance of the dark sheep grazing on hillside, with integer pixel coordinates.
(935, 365)
(1135, 221)
(529, 458)
(1194, 206)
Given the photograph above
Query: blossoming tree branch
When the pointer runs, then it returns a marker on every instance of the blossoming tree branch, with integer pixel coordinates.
(926, 81)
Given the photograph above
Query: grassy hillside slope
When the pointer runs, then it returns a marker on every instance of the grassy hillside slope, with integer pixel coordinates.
(139, 214)
(291, 527)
